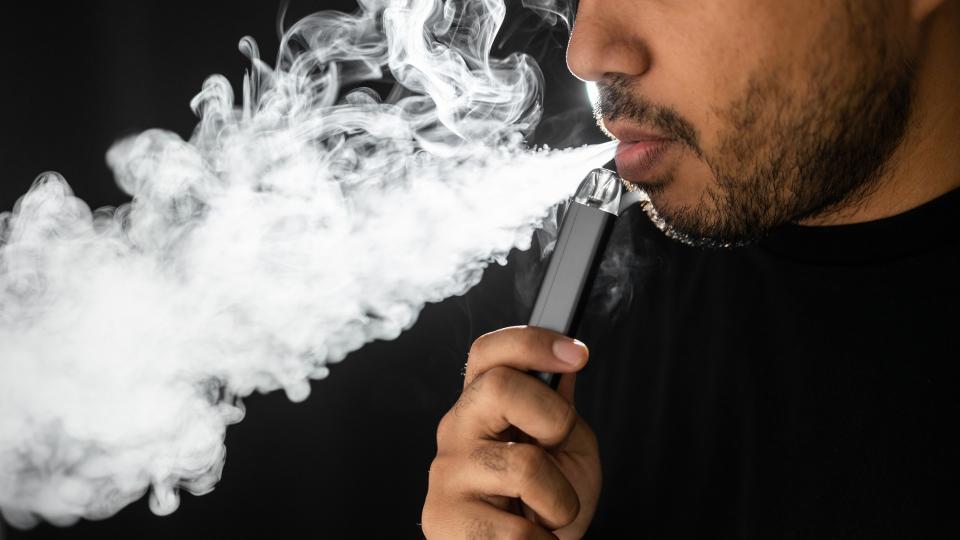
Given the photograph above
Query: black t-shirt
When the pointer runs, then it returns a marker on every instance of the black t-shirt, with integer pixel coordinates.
(803, 387)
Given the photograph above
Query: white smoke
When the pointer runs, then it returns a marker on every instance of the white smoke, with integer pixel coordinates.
(291, 229)
(553, 10)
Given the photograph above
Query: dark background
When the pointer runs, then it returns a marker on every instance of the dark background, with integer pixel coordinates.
(352, 460)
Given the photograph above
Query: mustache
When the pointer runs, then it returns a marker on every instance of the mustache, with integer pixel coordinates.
(617, 102)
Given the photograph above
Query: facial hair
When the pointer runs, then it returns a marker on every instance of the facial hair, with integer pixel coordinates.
(781, 157)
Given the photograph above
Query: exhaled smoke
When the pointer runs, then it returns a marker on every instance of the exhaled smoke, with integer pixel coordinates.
(292, 228)
(554, 10)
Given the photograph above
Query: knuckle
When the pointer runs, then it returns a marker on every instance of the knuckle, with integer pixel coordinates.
(462, 405)
(480, 350)
(430, 519)
(474, 358)
(445, 429)
(435, 517)
(442, 479)
(437, 472)
(499, 381)
(479, 346)
(527, 461)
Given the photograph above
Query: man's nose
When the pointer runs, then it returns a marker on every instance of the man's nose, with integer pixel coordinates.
(603, 41)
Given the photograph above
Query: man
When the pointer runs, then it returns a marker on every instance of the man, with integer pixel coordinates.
(801, 380)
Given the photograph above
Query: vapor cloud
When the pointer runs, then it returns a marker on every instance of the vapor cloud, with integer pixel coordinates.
(296, 225)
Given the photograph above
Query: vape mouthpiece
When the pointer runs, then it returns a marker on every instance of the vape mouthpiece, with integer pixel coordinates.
(601, 189)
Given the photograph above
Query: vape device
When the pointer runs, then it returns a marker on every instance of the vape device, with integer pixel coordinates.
(584, 232)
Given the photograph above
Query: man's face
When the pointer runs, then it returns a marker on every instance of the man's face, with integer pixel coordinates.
(747, 114)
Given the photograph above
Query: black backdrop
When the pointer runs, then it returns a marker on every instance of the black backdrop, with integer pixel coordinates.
(351, 461)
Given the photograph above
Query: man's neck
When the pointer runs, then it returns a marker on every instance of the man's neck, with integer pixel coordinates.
(926, 164)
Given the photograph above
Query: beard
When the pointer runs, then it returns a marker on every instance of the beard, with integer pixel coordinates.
(784, 157)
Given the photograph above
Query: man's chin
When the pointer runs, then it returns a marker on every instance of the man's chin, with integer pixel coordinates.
(690, 224)
(652, 187)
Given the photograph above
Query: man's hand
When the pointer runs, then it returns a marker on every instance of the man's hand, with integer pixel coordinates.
(514, 460)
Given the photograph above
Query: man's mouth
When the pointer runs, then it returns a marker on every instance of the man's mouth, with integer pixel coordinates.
(638, 160)
(640, 151)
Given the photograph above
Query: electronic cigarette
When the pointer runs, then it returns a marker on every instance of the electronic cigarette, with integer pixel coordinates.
(584, 232)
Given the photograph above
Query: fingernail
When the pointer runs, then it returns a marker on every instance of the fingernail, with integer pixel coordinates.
(570, 351)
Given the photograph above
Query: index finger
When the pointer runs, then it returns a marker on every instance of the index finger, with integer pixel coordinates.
(525, 348)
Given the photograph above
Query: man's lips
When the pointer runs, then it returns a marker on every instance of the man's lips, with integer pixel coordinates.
(636, 161)
(640, 150)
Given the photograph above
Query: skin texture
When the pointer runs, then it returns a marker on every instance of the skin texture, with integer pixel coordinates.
(514, 460)
(813, 111)
(819, 112)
